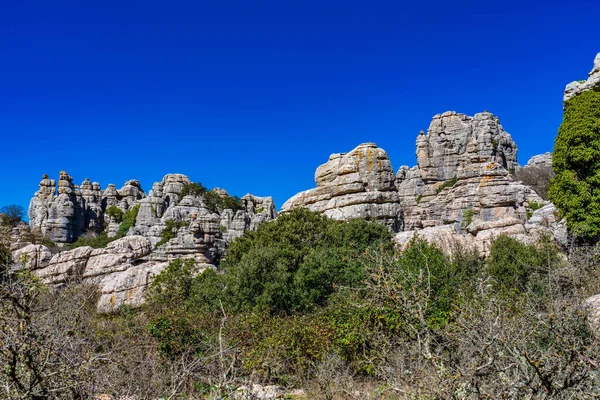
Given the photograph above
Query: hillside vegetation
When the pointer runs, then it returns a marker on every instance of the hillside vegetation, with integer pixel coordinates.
(328, 306)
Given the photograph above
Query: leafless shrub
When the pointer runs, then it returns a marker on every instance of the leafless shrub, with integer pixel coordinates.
(536, 177)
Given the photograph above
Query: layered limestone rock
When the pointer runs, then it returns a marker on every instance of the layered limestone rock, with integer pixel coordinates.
(124, 268)
(65, 213)
(121, 271)
(592, 82)
(540, 161)
(460, 191)
(445, 146)
(358, 184)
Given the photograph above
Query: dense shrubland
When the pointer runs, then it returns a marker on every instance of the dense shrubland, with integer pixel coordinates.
(308, 302)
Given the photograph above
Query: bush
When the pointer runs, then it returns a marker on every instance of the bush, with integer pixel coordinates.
(518, 268)
(128, 221)
(11, 214)
(170, 231)
(216, 202)
(296, 261)
(101, 240)
(575, 190)
(115, 213)
(194, 189)
(447, 184)
(98, 241)
(468, 216)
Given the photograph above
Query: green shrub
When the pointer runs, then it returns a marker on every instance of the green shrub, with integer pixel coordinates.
(115, 213)
(194, 189)
(97, 242)
(297, 260)
(179, 305)
(128, 221)
(207, 292)
(534, 205)
(468, 216)
(215, 202)
(170, 231)
(575, 190)
(173, 285)
(517, 267)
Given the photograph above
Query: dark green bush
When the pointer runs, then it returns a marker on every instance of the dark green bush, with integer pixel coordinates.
(173, 285)
(296, 261)
(115, 212)
(101, 240)
(517, 267)
(447, 184)
(170, 231)
(217, 202)
(576, 161)
(194, 189)
(213, 200)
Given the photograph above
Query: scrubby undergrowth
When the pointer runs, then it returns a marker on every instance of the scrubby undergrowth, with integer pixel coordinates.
(328, 306)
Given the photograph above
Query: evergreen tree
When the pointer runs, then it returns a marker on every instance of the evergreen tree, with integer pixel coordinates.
(576, 160)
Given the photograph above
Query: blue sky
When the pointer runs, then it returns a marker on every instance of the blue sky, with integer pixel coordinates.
(253, 96)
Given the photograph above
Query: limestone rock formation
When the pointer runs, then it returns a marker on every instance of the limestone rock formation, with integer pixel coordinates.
(452, 139)
(460, 191)
(123, 269)
(358, 184)
(540, 160)
(592, 82)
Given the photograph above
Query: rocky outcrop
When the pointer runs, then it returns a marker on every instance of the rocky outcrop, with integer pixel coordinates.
(64, 214)
(540, 161)
(358, 184)
(123, 269)
(592, 82)
(453, 139)
(460, 191)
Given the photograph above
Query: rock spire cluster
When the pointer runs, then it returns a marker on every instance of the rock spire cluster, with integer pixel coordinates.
(122, 270)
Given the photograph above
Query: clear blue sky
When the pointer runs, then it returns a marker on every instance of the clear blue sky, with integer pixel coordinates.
(253, 96)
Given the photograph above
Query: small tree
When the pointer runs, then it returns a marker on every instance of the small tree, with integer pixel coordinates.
(12, 214)
(576, 160)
